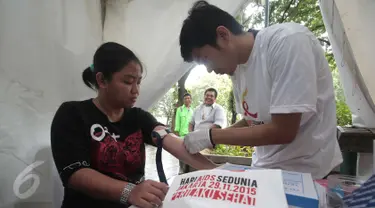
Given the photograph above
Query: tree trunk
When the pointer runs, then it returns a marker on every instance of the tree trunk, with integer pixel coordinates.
(103, 4)
(234, 117)
(167, 120)
(232, 107)
(174, 117)
(181, 87)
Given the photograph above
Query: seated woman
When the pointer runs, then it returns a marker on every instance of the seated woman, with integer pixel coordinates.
(98, 144)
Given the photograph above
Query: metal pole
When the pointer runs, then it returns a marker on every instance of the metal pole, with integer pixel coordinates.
(267, 13)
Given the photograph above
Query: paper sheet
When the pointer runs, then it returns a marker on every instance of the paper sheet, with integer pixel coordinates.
(293, 183)
(321, 190)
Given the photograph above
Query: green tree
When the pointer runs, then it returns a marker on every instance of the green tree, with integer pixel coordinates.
(343, 113)
(164, 109)
(232, 107)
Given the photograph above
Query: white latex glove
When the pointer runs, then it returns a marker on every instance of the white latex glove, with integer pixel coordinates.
(197, 141)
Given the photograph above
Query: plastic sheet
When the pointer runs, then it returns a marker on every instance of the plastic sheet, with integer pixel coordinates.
(351, 35)
(350, 29)
(44, 46)
(151, 29)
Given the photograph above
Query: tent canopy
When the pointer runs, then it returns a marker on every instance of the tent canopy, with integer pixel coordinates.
(46, 44)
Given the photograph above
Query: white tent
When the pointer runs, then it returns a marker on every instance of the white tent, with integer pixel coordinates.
(350, 30)
(44, 47)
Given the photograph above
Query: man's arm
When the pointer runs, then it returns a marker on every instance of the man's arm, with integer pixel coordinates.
(239, 124)
(282, 130)
(213, 126)
(177, 122)
(220, 118)
(192, 121)
(176, 147)
(191, 127)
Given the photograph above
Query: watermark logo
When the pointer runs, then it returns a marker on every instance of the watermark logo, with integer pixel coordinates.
(24, 176)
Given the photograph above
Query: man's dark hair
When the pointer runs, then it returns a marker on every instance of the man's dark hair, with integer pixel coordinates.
(211, 90)
(199, 28)
(186, 94)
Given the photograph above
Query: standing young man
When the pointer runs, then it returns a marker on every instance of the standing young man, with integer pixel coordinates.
(182, 123)
(281, 80)
(183, 117)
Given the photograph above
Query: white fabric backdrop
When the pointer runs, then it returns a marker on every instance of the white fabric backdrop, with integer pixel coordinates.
(151, 29)
(351, 31)
(44, 47)
(357, 21)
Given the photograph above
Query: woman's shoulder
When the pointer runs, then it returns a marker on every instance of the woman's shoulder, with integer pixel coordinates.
(70, 114)
(71, 106)
(72, 109)
(138, 114)
(136, 110)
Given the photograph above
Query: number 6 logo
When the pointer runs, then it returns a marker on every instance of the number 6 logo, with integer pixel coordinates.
(23, 177)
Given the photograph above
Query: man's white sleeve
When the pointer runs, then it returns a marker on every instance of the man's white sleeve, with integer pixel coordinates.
(293, 73)
(220, 117)
(192, 120)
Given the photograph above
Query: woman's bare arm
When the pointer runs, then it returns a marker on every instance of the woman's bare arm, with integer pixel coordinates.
(96, 184)
(175, 146)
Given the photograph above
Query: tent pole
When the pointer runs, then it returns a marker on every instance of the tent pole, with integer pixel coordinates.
(267, 13)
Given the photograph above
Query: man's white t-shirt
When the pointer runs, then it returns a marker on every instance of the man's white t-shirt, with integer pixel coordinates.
(287, 72)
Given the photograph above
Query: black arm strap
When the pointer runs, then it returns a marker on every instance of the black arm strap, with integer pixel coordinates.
(159, 161)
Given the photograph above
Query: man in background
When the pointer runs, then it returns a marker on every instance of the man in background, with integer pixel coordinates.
(206, 116)
(181, 126)
(209, 114)
(183, 117)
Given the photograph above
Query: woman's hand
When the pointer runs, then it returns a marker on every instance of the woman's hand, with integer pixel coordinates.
(148, 194)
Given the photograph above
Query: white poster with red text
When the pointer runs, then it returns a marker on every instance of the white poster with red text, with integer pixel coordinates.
(223, 188)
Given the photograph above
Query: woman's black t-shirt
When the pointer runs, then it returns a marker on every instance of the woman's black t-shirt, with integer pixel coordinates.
(83, 137)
